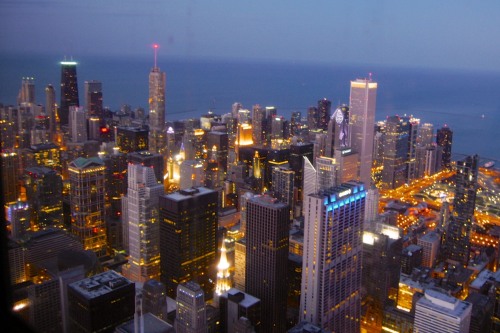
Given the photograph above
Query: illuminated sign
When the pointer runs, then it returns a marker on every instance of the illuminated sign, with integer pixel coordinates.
(346, 151)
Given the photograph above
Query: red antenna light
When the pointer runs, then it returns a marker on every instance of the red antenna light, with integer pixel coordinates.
(155, 47)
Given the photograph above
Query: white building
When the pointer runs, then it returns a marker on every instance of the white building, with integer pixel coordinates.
(142, 223)
(438, 312)
(430, 246)
(191, 311)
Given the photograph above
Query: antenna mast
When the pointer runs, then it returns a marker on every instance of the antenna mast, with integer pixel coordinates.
(155, 47)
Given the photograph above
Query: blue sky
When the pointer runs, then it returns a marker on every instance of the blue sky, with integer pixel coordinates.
(445, 33)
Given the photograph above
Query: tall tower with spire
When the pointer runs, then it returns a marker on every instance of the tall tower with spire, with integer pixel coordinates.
(157, 82)
(223, 276)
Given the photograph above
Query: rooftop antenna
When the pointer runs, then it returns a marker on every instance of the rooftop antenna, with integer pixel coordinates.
(155, 47)
(370, 76)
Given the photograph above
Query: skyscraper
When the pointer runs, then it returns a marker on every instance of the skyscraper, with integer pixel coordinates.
(362, 119)
(457, 244)
(188, 245)
(267, 258)
(324, 108)
(331, 271)
(444, 138)
(395, 153)
(69, 90)
(157, 82)
(191, 312)
(93, 98)
(86, 177)
(78, 124)
(143, 224)
(51, 109)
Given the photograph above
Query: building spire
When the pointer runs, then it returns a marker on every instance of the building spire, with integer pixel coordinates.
(223, 275)
(155, 48)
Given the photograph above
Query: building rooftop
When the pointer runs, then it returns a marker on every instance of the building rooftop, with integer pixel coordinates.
(430, 237)
(247, 300)
(100, 284)
(188, 193)
(152, 324)
(444, 303)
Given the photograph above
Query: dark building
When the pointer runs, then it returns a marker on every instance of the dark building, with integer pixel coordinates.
(444, 138)
(267, 234)
(396, 146)
(411, 258)
(131, 139)
(235, 304)
(457, 237)
(100, 303)
(381, 263)
(312, 118)
(482, 309)
(296, 161)
(69, 90)
(324, 108)
(148, 159)
(10, 176)
(188, 244)
(154, 298)
(93, 99)
(44, 195)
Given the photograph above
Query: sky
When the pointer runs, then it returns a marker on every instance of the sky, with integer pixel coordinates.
(427, 33)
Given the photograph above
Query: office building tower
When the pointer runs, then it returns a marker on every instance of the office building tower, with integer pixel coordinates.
(157, 84)
(395, 152)
(411, 258)
(10, 176)
(45, 306)
(326, 173)
(283, 186)
(425, 134)
(93, 98)
(78, 124)
(192, 174)
(444, 138)
(18, 215)
(191, 311)
(277, 128)
(430, 246)
(312, 118)
(457, 238)
(27, 91)
(362, 119)
(240, 255)
(347, 164)
(267, 258)
(235, 304)
(428, 160)
(221, 141)
(69, 90)
(439, 312)
(212, 171)
(382, 245)
(8, 134)
(295, 123)
(44, 154)
(188, 244)
(131, 139)
(101, 302)
(331, 271)
(143, 224)
(338, 131)
(243, 116)
(148, 159)
(51, 110)
(154, 298)
(297, 153)
(44, 196)
(324, 108)
(86, 177)
(411, 161)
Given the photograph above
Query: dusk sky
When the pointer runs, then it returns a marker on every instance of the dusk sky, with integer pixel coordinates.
(456, 34)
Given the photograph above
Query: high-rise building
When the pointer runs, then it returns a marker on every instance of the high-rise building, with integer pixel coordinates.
(235, 304)
(324, 108)
(439, 312)
(154, 298)
(192, 174)
(444, 138)
(267, 258)
(143, 223)
(44, 195)
(151, 160)
(362, 119)
(131, 139)
(100, 303)
(425, 134)
(69, 90)
(283, 186)
(411, 161)
(430, 246)
(10, 175)
(51, 110)
(457, 238)
(93, 98)
(27, 91)
(86, 178)
(395, 152)
(78, 124)
(188, 245)
(382, 245)
(191, 311)
(331, 271)
(157, 135)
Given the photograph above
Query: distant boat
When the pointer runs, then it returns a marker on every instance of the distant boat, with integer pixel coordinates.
(489, 164)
